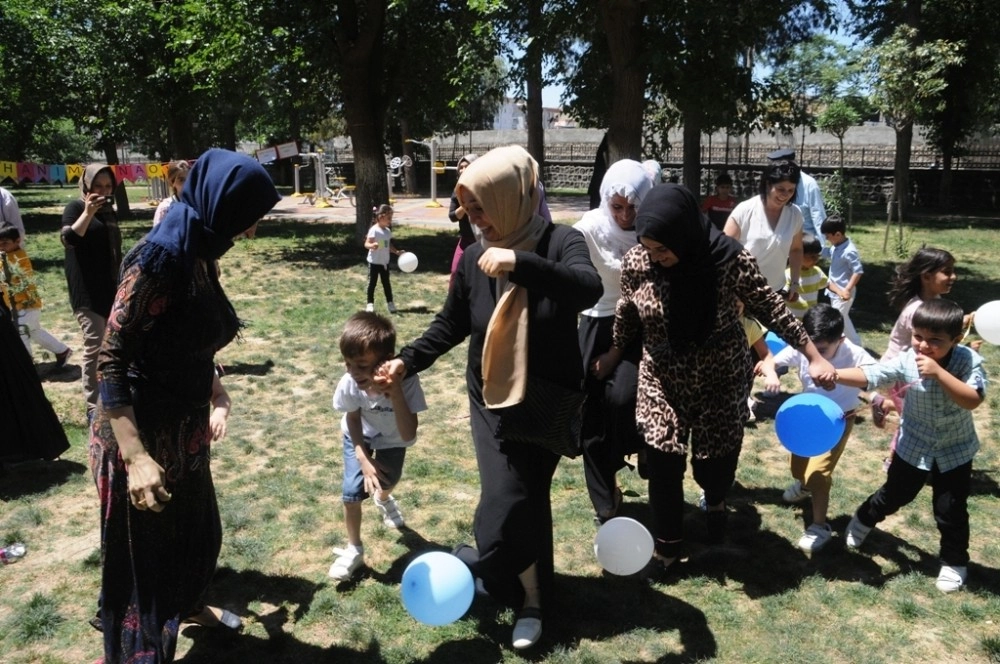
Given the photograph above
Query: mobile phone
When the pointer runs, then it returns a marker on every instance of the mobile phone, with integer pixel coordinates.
(108, 200)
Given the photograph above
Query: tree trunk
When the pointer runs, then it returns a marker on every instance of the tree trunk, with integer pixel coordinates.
(622, 22)
(533, 85)
(901, 166)
(692, 152)
(110, 149)
(944, 186)
(359, 37)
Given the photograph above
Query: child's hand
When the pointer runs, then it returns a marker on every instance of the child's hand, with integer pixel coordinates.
(928, 367)
(374, 478)
(217, 423)
(385, 382)
(389, 373)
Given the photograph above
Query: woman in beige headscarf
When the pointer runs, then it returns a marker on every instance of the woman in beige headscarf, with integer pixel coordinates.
(516, 296)
(93, 244)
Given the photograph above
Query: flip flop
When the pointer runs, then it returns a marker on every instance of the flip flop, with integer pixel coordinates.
(226, 619)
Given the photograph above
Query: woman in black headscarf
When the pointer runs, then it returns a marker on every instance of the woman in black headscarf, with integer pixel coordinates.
(150, 437)
(679, 291)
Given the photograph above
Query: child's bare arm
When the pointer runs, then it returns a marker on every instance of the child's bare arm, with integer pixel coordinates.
(853, 377)
(765, 368)
(374, 480)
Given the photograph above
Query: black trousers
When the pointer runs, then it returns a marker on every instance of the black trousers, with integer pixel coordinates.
(513, 522)
(609, 430)
(374, 273)
(950, 500)
(666, 491)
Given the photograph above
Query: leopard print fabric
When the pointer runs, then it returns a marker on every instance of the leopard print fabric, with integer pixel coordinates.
(698, 393)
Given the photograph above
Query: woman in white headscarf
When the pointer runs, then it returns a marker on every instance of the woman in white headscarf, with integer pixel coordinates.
(516, 296)
(609, 432)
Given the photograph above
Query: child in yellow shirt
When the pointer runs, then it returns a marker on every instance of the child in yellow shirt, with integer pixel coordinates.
(21, 295)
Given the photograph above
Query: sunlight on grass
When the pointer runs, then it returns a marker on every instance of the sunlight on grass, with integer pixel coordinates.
(755, 599)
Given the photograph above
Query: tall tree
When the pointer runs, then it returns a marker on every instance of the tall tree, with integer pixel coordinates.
(907, 83)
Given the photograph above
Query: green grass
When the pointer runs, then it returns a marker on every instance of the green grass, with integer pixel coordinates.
(757, 599)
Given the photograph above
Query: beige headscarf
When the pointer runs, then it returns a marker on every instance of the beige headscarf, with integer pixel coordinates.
(505, 183)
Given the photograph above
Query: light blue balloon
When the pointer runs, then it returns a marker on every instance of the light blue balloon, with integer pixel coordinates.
(809, 424)
(774, 343)
(437, 588)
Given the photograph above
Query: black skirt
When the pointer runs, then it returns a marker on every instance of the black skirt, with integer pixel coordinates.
(30, 428)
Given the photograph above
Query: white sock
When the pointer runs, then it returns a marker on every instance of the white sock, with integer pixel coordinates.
(355, 549)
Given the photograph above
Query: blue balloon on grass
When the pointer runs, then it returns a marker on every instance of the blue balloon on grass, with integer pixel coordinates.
(809, 424)
(437, 588)
(774, 343)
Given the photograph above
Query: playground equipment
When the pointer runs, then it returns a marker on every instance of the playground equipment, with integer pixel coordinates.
(432, 144)
(395, 169)
(324, 189)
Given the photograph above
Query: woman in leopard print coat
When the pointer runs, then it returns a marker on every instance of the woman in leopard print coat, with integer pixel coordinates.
(679, 291)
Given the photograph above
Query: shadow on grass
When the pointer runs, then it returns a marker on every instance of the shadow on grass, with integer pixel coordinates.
(595, 608)
(25, 478)
(333, 247)
(248, 369)
(238, 591)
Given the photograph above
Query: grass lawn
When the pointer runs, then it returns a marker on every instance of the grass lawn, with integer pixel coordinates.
(755, 599)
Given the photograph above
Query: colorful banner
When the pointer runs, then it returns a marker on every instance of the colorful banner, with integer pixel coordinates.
(25, 171)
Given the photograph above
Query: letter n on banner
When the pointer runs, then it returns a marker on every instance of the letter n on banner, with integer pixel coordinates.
(123, 172)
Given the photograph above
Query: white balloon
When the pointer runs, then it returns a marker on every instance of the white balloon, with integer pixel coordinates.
(988, 322)
(623, 546)
(407, 261)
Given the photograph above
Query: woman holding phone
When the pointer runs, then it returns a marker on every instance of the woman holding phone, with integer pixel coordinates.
(93, 244)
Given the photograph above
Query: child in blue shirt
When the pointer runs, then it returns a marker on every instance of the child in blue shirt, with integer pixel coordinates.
(379, 423)
(845, 271)
(944, 383)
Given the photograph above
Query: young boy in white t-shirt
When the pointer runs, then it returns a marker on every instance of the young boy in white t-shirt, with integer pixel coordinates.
(379, 423)
(814, 475)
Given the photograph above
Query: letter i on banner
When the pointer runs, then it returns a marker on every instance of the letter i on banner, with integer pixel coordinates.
(57, 173)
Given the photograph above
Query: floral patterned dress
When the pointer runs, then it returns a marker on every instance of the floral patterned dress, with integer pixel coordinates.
(158, 357)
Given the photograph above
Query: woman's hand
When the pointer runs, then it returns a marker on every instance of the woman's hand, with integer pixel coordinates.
(496, 261)
(94, 203)
(217, 423)
(145, 483)
(605, 364)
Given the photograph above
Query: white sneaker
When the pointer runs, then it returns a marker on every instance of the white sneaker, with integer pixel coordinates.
(370, 307)
(856, 533)
(816, 537)
(951, 578)
(391, 516)
(346, 564)
(795, 493)
(391, 307)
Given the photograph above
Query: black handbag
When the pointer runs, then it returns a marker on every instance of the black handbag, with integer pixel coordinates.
(550, 416)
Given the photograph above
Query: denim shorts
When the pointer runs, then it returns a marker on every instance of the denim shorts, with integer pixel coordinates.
(390, 459)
